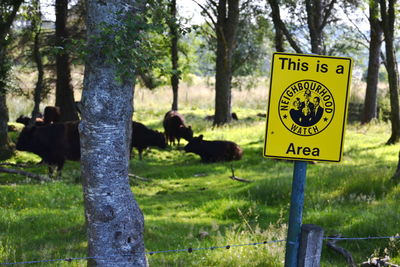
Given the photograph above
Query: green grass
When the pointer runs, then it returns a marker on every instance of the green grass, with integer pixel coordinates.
(191, 204)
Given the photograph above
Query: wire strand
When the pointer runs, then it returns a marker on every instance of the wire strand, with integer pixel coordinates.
(190, 250)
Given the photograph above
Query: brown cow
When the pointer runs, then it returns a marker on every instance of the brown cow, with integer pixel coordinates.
(175, 128)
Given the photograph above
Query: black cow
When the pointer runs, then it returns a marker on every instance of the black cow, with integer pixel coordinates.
(213, 151)
(143, 137)
(51, 114)
(25, 120)
(175, 128)
(54, 143)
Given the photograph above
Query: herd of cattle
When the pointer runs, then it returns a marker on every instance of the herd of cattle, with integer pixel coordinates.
(56, 141)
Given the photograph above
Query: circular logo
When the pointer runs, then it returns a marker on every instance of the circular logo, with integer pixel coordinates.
(306, 107)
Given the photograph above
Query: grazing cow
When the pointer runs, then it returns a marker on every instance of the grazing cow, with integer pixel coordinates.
(213, 151)
(54, 143)
(143, 137)
(51, 115)
(174, 127)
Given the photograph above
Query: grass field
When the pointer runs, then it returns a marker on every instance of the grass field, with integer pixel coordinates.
(190, 204)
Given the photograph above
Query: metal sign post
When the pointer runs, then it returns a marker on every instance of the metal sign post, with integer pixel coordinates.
(296, 213)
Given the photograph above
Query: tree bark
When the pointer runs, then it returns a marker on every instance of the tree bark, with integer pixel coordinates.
(318, 14)
(388, 18)
(37, 56)
(10, 9)
(173, 26)
(226, 29)
(280, 28)
(276, 19)
(114, 220)
(370, 104)
(64, 91)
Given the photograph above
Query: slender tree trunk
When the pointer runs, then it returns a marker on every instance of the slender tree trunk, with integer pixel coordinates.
(114, 220)
(39, 65)
(314, 20)
(9, 10)
(318, 13)
(173, 26)
(226, 29)
(388, 18)
(6, 148)
(64, 91)
(370, 105)
(276, 19)
(280, 29)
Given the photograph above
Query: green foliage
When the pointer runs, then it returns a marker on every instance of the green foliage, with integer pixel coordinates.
(126, 44)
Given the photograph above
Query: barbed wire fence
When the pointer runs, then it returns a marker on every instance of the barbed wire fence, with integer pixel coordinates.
(191, 250)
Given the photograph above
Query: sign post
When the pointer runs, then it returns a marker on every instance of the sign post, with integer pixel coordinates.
(306, 117)
(296, 213)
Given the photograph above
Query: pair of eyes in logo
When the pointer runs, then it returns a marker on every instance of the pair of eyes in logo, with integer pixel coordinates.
(306, 107)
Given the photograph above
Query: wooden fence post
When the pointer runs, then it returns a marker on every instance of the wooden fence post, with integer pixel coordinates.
(310, 245)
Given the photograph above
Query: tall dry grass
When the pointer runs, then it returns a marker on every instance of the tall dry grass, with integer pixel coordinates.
(194, 93)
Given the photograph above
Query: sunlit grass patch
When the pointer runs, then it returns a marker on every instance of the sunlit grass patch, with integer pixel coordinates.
(187, 203)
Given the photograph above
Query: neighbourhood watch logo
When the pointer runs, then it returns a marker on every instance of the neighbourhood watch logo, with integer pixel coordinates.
(306, 107)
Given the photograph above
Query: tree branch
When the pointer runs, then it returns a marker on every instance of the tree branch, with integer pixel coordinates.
(349, 258)
(279, 23)
(234, 177)
(327, 15)
(357, 28)
(37, 177)
(206, 11)
(7, 24)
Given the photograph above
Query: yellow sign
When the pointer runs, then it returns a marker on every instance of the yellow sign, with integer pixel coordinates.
(307, 107)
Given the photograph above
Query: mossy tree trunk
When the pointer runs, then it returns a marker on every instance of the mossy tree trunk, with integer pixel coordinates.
(115, 223)
(9, 10)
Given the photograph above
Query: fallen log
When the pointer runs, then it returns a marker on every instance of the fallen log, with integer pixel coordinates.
(37, 177)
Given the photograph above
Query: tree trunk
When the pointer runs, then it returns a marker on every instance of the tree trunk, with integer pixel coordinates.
(9, 10)
(39, 65)
(114, 220)
(173, 26)
(280, 27)
(370, 105)
(226, 29)
(64, 91)
(314, 20)
(318, 13)
(388, 18)
(6, 148)
(276, 19)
